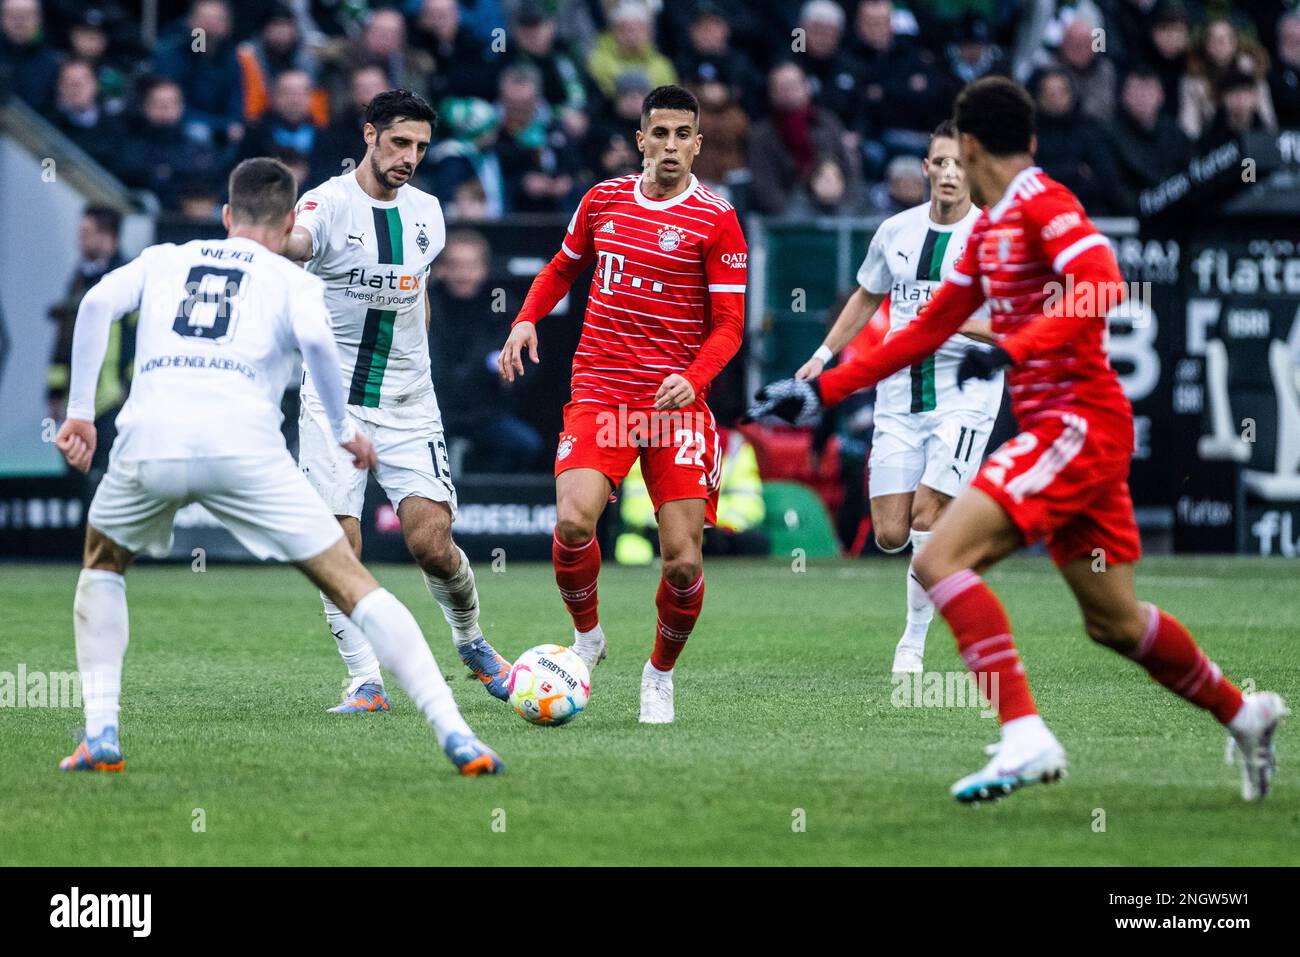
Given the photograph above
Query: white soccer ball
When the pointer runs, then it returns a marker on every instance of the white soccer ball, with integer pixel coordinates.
(549, 684)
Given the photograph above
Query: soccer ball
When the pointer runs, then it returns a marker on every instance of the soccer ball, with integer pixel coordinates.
(549, 684)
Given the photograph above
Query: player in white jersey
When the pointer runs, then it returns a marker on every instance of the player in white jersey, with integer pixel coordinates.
(371, 237)
(219, 321)
(929, 434)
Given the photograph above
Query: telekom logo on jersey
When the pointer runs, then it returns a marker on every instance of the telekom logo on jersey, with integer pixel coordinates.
(610, 270)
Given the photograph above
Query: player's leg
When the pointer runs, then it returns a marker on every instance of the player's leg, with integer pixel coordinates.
(396, 637)
(1160, 643)
(895, 469)
(132, 512)
(909, 654)
(678, 602)
(330, 472)
(972, 533)
(426, 526)
(581, 495)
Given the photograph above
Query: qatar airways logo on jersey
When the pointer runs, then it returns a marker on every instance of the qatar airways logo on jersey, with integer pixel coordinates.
(735, 260)
(379, 280)
(609, 269)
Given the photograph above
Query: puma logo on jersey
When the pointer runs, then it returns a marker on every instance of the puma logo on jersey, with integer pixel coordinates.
(906, 256)
(607, 227)
(356, 239)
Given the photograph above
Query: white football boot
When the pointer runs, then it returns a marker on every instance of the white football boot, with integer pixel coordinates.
(908, 658)
(590, 649)
(656, 695)
(1250, 734)
(1035, 757)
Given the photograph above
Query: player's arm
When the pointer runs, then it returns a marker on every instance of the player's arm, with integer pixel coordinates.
(311, 330)
(726, 266)
(853, 318)
(299, 245)
(311, 226)
(980, 330)
(117, 294)
(551, 285)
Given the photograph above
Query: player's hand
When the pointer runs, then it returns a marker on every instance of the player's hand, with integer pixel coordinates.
(511, 360)
(362, 451)
(76, 440)
(980, 363)
(796, 401)
(810, 369)
(675, 392)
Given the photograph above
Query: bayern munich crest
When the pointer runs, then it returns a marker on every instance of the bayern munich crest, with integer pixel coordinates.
(566, 446)
(669, 239)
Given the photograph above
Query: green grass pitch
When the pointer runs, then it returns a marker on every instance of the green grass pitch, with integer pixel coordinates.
(784, 717)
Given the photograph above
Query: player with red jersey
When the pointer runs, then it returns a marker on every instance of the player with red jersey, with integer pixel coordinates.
(664, 315)
(1049, 277)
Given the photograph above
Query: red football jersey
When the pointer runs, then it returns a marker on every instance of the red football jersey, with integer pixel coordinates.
(1019, 252)
(662, 268)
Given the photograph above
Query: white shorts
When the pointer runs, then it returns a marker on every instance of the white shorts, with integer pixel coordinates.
(409, 444)
(940, 450)
(262, 499)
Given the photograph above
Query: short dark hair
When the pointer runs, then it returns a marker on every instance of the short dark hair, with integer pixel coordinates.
(947, 130)
(393, 106)
(262, 191)
(998, 112)
(106, 219)
(670, 97)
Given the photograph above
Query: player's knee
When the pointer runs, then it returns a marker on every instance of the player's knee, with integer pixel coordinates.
(1119, 634)
(682, 571)
(435, 553)
(932, 565)
(892, 538)
(103, 554)
(574, 529)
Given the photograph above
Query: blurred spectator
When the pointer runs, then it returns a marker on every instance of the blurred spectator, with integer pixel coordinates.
(1073, 149)
(834, 77)
(78, 115)
(31, 65)
(467, 326)
(484, 16)
(160, 155)
(468, 203)
(610, 147)
(299, 164)
(829, 191)
(1169, 50)
(289, 124)
(787, 145)
(725, 127)
(1221, 52)
(98, 253)
(276, 48)
(1241, 109)
(904, 94)
(199, 54)
(342, 141)
(90, 41)
(904, 186)
(1285, 79)
(535, 153)
(1148, 144)
(628, 46)
(564, 85)
(973, 54)
(1091, 75)
(382, 43)
(460, 67)
(708, 56)
(466, 157)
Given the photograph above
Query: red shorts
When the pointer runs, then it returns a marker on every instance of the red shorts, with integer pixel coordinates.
(681, 453)
(1065, 480)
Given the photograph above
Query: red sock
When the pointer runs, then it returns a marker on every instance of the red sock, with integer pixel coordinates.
(1170, 654)
(984, 640)
(678, 610)
(576, 570)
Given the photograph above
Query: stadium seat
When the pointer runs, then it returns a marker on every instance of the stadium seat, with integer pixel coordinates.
(796, 518)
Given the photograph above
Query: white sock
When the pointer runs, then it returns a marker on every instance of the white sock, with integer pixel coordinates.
(357, 654)
(100, 623)
(1030, 728)
(592, 637)
(458, 598)
(920, 610)
(650, 671)
(392, 631)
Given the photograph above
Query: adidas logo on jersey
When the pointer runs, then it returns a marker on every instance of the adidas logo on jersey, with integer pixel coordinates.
(608, 227)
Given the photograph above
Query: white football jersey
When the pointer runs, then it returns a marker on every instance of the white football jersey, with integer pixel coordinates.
(374, 257)
(908, 258)
(215, 345)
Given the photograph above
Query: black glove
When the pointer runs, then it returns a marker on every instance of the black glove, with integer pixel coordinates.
(982, 363)
(796, 401)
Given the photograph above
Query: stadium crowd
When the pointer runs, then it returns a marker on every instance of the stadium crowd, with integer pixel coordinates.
(808, 108)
